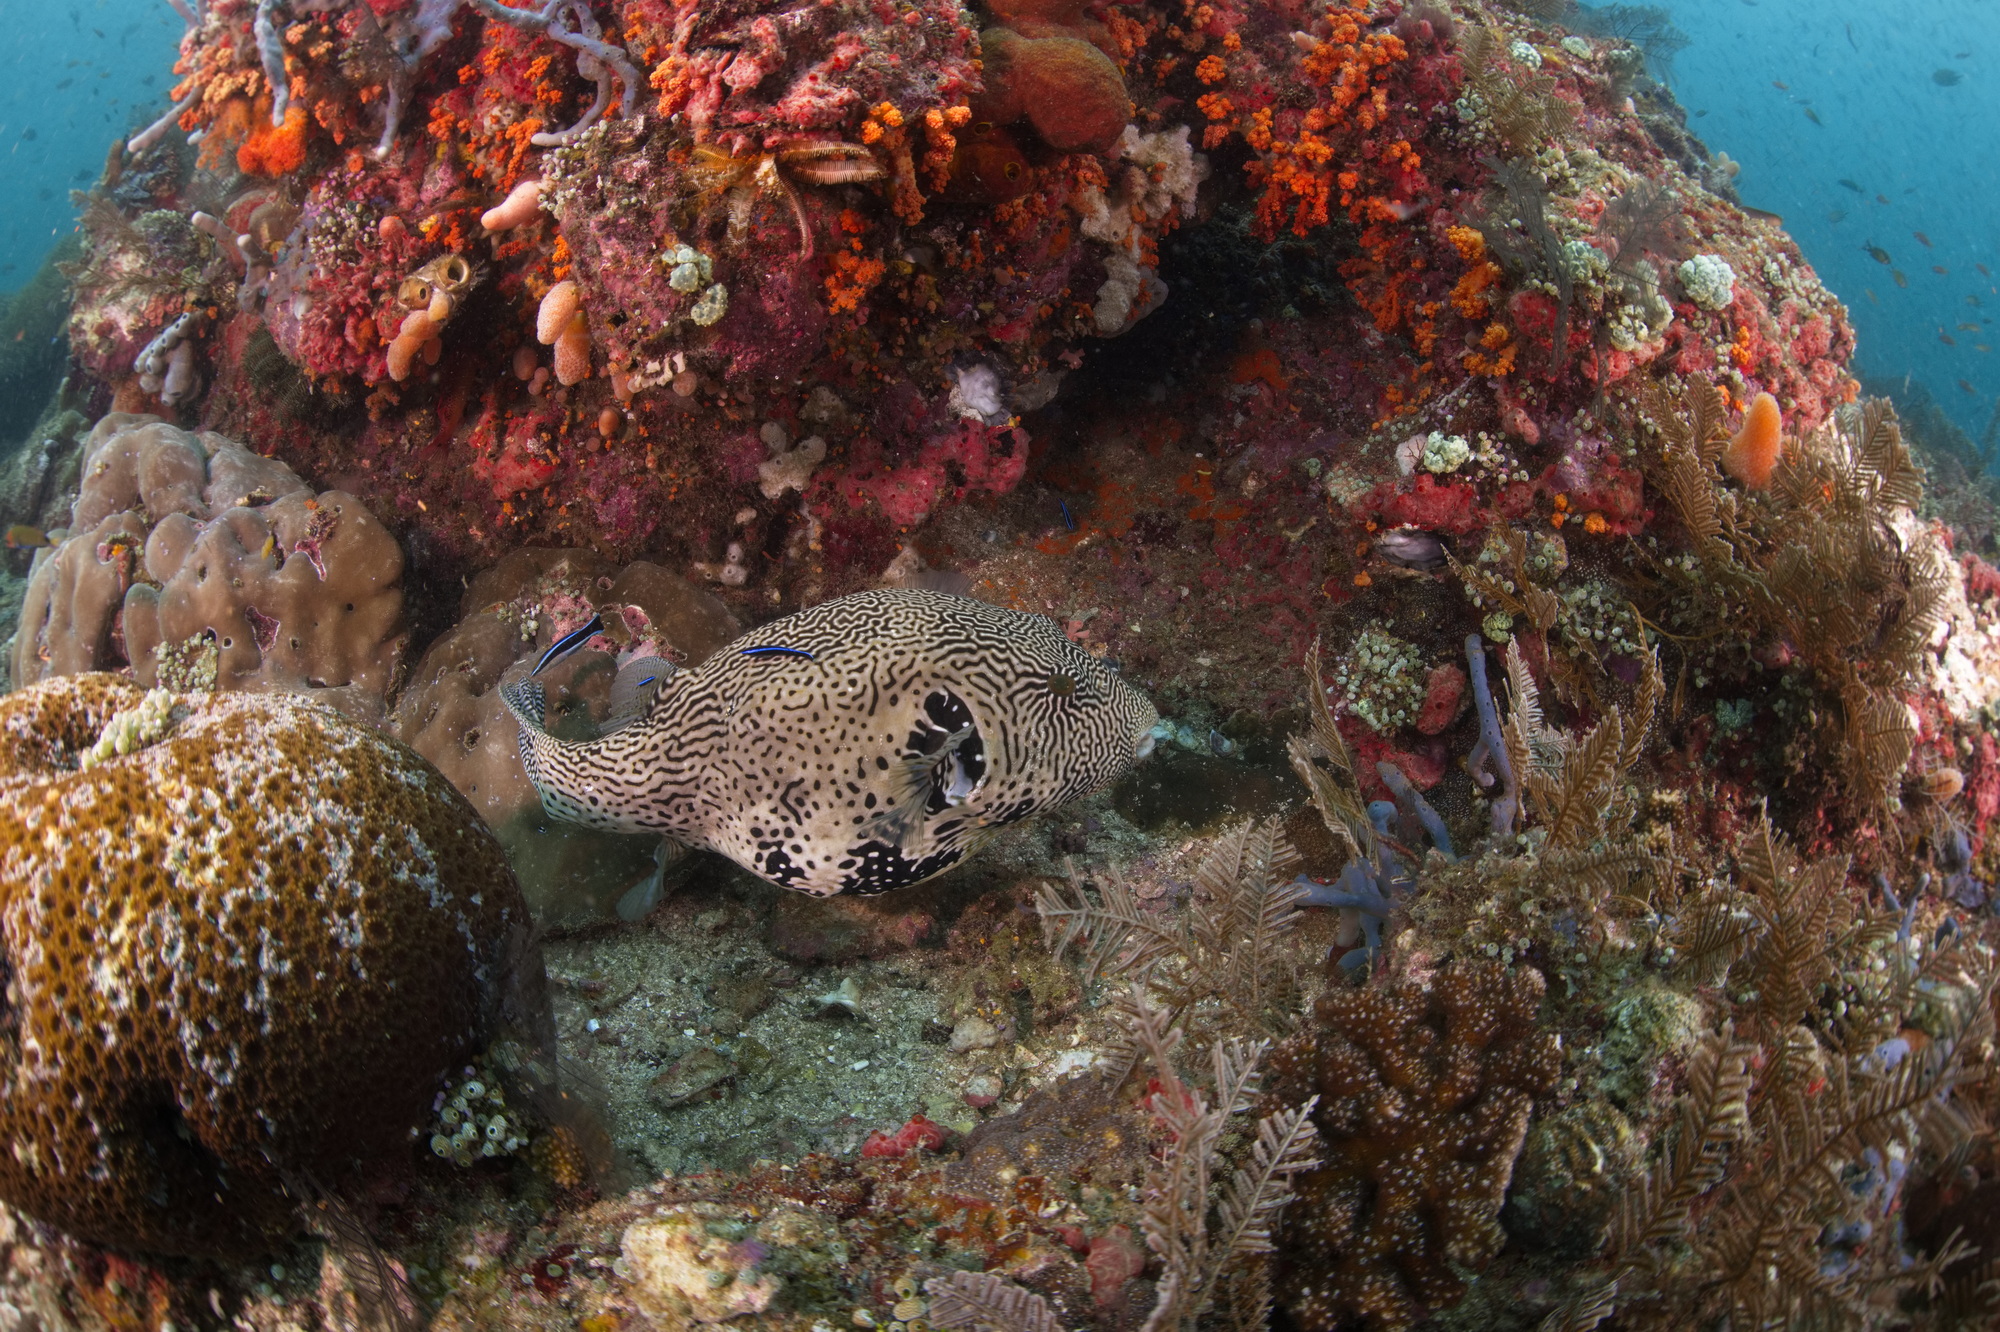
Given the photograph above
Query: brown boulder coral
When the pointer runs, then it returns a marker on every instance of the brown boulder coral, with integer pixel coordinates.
(1425, 1096)
(179, 538)
(243, 938)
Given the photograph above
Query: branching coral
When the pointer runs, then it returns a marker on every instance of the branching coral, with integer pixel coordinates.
(1424, 1100)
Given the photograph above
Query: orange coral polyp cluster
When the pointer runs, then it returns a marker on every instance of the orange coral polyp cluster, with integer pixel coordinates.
(274, 150)
(1471, 295)
(1298, 191)
(854, 275)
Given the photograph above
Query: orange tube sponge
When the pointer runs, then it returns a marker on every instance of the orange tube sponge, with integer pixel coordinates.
(1752, 453)
(558, 310)
(573, 352)
(517, 209)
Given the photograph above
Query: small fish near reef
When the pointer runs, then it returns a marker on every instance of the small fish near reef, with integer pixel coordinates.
(865, 744)
(21, 536)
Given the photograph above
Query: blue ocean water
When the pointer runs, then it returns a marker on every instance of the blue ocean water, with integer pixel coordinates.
(75, 76)
(1869, 128)
(1867, 125)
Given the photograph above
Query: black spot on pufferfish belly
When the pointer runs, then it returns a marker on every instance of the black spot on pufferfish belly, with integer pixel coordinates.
(877, 867)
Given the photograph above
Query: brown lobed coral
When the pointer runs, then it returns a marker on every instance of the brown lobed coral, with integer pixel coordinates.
(179, 537)
(243, 940)
(1425, 1093)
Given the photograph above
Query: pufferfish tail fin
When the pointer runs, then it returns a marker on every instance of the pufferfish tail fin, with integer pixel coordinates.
(907, 807)
(562, 771)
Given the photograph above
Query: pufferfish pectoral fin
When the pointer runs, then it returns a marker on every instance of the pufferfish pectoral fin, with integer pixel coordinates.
(910, 781)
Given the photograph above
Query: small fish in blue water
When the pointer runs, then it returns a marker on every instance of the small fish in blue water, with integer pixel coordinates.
(1981, 347)
(1945, 78)
(1883, 198)
(1813, 116)
(1967, 387)
(1877, 253)
(772, 650)
(1836, 215)
(1947, 339)
(1850, 37)
(1781, 87)
(1922, 239)
(1983, 271)
(1940, 270)
(29, 135)
(1851, 185)
(1967, 326)
(1897, 274)
(569, 643)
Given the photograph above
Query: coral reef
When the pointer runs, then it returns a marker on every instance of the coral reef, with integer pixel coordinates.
(182, 539)
(209, 936)
(1422, 346)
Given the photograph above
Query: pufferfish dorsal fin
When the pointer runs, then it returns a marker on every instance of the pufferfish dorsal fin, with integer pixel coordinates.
(910, 781)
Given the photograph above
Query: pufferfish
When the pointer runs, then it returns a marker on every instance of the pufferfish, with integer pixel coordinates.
(865, 744)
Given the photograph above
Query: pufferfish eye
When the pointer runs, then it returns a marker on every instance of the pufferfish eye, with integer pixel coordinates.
(1062, 685)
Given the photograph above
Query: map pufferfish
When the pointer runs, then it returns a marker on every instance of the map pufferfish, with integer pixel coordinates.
(864, 744)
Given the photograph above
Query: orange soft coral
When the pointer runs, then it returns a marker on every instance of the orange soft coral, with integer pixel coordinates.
(274, 150)
(1752, 453)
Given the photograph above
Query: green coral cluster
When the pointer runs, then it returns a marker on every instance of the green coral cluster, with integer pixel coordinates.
(472, 1121)
(132, 729)
(1382, 678)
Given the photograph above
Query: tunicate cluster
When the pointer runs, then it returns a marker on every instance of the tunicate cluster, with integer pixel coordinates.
(714, 304)
(1643, 315)
(1600, 620)
(1709, 280)
(692, 269)
(472, 1122)
(132, 729)
(1587, 265)
(1383, 680)
(1445, 453)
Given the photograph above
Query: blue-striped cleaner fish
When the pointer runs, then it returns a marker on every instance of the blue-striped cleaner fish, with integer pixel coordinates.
(865, 744)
